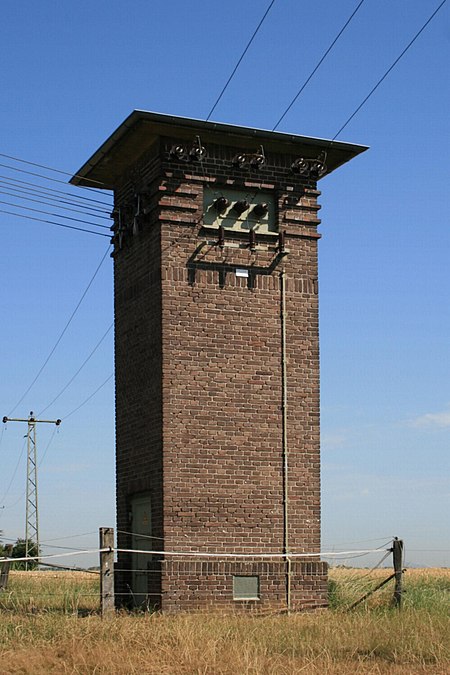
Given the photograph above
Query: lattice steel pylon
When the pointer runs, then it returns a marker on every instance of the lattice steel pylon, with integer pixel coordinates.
(31, 507)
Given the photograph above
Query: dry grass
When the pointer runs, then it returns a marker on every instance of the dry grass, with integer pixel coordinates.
(38, 638)
(60, 592)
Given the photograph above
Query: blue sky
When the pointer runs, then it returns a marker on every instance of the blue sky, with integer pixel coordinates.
(71, 72)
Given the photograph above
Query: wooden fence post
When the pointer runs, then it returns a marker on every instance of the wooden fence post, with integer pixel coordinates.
(397, 554)
(4, 567)
(107, 571)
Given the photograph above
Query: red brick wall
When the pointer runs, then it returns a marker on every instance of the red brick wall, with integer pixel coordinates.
(199, 378)
(209, 585)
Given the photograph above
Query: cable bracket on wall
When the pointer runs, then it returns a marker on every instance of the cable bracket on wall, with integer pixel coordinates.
(195, 152)
(255, 160)
(310, 167)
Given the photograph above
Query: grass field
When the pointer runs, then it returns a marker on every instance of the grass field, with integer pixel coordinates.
(49, 624)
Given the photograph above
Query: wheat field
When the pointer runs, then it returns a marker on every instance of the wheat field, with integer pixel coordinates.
(49, 623)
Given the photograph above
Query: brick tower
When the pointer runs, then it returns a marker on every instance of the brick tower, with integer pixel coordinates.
(217, 360)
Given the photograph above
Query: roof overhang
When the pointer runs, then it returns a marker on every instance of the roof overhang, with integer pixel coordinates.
(142, 128)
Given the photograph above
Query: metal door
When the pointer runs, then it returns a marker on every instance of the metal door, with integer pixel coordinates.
(141, 540)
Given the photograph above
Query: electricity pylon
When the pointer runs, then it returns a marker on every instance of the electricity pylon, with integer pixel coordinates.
(31, 509)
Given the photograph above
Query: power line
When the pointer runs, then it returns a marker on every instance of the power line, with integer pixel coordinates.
(55, 429)
(50, 213)
(40, 175)
(50, 168)
(62, 332)
(18, 193)
(240, 59)
(89, 397)
(63, 548)
(78, 371)
(11, 506)
(321, 60)
(372, 91)
(53, 222)
(45, 189)
(48, 445)
(70, 536)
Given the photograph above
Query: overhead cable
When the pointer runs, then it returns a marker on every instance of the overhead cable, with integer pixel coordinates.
(43, 188)
(372, 91)
(55, 429)
(11, 506)
(62, 548)
(17, 193)
(69, 321)
(240, 59)
(70, 536)
(53, 222)
(51, 213)
(40, 175)
(86, 400)
(50, 168)
(319, 63)
(78, 371)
